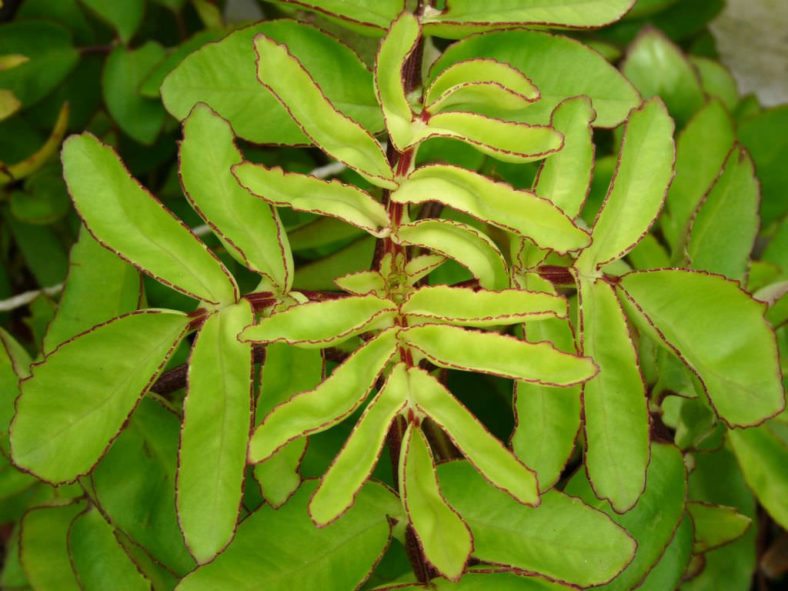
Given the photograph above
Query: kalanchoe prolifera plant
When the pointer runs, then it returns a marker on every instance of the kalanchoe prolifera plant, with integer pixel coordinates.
(537, 298)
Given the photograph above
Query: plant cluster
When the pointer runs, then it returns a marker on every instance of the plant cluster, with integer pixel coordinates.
(529, 337)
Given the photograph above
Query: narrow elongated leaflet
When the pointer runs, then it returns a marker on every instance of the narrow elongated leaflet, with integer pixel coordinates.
(127, 219)
(422, 265)
(369, 17)
(614, 402)
(306, 193)
(637, 191)
(720, 333)
(329, 129)
(354, 463)
(455, 347)
(715, 525)
(463, 243)
(480, 308)
(462, 17)
(362, 283)
(443, 535)
(499, 204)
(488, 455)
(559, 67)
(339, 395)
(101, 374)
(397, 45)
(248, 227)
(216, 418)
(322, 323)
(563, 538)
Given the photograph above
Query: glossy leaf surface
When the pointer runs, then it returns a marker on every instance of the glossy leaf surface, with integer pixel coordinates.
(715, 525)
(104, 373)
(720, 333)
(127, 219)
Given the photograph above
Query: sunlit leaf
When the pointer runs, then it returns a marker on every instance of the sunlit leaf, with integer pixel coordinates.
(362, 283)
(715, 525)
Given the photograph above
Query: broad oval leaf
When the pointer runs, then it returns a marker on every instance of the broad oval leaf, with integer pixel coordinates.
(720, 333)
(339, 136)
(562, 538)
(248, 227)
(216, 418)
(128, 220)
(499, 204)
(487, 352)
(715, 525)
(333, 400)
(335, 558)
(444, 537)
(102, 374)
(372, 18)
(467, 307)
(614, 401)
(322, 323)
(469, 247)
(311, 194)
(559, 67)
(487, 454)
(638, 188)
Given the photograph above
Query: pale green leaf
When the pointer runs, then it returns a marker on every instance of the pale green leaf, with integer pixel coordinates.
(720, 333)
(717, 81)
(455, 347)
(128, 220)
(216, 418)
(362, 283)
(715, 525)
(638, 188)
(563, 538)
(354, 463)
(150, 87)
(125, 17)
(248, 227)
(330, 402)
(339, 136)
(371, 18)
(467, 307)
(323, 323)
(487, 454)
(444, 536)
(469, 247)
(499, 204)
(101, 376)
(614, 402)
(422, 265)
(311, 194)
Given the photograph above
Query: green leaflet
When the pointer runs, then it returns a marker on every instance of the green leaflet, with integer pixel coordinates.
(44, 547)
(469, 16)
(562, 538)
(102, 374)
(667, 573)
(469, 247)
(335, 558)
(726, 223)
(347, 473)
(224, 75)
(400, 41)
(655, 517)
(248, 227)
(702, 148)
(306, 193)
(720, 333)
(322, 324)
(321, 274)
(658, 68)
(111, 285)
(330, 402)
(637, 191)
(487, 454)
(14, 362)
(98, 559)
(488, 581)
(717, 81)
(480, 81)
(715, 525)
(125, 17)
(487, 352)
(762, 458)
(371, 18)
(422, 265)
(340, 137)
(216, 419)
(541, 56)
(467, 307)
(362, 283)
(614, 402)
(444, 536)
(499, 204)
(128, 220)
